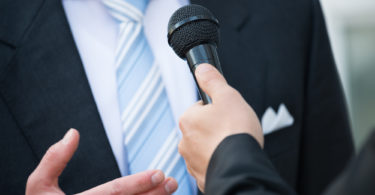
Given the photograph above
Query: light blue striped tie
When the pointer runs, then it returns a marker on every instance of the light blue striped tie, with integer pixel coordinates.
(150, 133)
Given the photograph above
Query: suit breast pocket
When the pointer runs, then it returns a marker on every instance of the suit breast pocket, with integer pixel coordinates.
(282, 147)
(282, 141)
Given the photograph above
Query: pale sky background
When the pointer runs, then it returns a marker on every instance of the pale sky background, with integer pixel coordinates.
(351, 27)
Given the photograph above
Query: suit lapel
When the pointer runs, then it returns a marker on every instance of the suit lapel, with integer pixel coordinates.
(47, 91)
(233, 15)
(244, 65)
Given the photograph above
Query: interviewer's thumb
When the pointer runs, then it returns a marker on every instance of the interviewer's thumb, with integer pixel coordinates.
(210, 80)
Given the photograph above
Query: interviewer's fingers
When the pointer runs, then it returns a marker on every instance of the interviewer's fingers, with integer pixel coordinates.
(186, 118)
(55, 160)
(210, 80)
(143, 182)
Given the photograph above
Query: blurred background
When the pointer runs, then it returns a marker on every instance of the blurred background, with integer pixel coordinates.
(351, 27)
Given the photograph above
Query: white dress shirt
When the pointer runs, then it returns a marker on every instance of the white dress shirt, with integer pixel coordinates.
(95, 34)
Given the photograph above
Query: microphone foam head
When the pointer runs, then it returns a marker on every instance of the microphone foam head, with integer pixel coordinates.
(190, 26)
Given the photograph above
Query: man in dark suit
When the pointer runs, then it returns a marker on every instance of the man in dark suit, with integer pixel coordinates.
(272, 52)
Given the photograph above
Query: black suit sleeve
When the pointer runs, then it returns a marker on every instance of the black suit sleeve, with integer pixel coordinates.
(239, 166)
(359, 177)
(326, 142)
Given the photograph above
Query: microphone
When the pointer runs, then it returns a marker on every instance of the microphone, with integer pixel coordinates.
(193, 33)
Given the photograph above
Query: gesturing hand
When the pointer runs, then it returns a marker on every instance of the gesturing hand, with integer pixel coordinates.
(44, 179)
(205, 126)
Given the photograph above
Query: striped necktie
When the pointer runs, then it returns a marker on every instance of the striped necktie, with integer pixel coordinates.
(150, 132)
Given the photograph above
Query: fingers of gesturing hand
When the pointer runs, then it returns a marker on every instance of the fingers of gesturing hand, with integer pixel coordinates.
(147, 182)
(45, 176)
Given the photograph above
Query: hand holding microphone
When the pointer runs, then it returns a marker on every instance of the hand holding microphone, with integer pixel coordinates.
(205, 126)
(193, 33)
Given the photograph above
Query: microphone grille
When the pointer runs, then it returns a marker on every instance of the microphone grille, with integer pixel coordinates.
(190, 26)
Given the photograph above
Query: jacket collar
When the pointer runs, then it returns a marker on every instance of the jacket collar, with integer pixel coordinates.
(47, 92)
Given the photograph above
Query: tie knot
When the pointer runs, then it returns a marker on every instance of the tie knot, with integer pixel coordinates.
(127, 10)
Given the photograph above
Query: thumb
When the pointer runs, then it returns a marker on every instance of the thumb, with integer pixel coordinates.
(56, 159)
(210, 80)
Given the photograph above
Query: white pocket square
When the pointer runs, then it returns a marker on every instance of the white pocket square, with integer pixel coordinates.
(272, 121)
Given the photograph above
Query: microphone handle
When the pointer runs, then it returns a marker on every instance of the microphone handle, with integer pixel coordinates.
(205, 53)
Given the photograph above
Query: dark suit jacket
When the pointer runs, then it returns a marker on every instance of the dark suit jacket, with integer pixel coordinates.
(273, 52)
(239, 166)
(359, 176)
